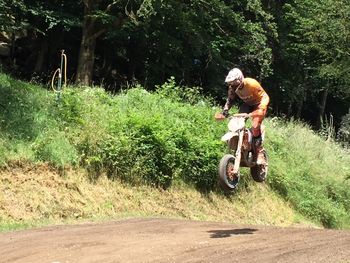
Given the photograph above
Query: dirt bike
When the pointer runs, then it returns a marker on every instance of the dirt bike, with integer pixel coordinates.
(241, 153)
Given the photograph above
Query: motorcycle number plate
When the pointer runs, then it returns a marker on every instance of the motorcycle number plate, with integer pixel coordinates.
(228, 136)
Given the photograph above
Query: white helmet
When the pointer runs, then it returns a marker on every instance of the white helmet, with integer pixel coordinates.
(234, 75)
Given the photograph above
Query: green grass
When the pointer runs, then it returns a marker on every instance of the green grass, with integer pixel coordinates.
(163, 139)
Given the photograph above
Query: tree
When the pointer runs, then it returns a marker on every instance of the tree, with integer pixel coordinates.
(315, 46)
(99, 17)
(36, 28)
(196, 41)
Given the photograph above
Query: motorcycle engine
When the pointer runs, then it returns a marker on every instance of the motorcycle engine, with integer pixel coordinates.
(247, 139)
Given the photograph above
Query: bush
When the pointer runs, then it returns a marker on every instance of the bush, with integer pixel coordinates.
(158, 142)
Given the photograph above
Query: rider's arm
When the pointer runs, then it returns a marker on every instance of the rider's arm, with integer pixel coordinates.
(230, 98)
(264, 101)
(262, 108)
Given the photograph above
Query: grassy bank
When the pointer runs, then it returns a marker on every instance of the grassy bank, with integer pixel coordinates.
(38, 195)
(160, 144)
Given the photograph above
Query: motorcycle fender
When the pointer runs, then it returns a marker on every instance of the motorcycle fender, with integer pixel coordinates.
(228, 136)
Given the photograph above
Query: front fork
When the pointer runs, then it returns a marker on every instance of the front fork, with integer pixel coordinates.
(238, 152)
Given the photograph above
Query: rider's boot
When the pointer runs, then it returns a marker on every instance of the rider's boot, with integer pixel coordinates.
(259, 150)
(260, 159)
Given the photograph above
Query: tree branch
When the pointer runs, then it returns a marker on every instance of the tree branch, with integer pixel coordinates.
(220, 28)
(130, 14)
(99, 33)
(109, 7)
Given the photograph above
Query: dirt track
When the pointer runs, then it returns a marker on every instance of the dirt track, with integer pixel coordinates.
(163, 240)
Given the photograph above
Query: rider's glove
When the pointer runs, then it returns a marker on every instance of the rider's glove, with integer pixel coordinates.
(225, 113)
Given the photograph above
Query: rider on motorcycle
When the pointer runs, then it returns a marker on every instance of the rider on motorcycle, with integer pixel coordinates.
(255, 101)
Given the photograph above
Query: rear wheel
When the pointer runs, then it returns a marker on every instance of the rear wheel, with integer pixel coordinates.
(259, 172)
(228, 179)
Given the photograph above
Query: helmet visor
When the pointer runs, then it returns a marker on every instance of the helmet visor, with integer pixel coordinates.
(234, 84)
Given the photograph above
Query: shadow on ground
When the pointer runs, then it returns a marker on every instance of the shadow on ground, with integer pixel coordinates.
(229, 233)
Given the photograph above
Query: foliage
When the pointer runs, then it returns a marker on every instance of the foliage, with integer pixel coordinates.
(10, 11)
(313, 45)
(193, 95)
(198, 38)
(152, 143)
(19, 15)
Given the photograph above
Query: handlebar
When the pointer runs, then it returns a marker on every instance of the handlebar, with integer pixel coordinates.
(220, 116)
(240, 115)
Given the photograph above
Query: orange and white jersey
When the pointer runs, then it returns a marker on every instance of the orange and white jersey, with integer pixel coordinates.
(251, 93)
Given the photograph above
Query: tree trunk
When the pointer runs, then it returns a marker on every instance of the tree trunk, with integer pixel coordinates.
(300, 105)
(90, 33)
(87, 46)
(322, 107)
(299, 109)
(42, 54)
(86, 60)
(289, 109)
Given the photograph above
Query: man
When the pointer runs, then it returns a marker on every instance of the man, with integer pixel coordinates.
(255, 101)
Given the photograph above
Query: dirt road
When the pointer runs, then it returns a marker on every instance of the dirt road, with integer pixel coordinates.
(164, 240)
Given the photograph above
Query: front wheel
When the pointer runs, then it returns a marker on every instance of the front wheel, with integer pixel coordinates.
(228, 179)
(259, 172)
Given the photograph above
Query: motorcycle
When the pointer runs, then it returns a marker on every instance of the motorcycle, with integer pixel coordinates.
(241, 153)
